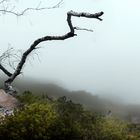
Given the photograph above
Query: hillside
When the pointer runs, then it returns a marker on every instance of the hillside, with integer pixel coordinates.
(45, 118)
(91, 102)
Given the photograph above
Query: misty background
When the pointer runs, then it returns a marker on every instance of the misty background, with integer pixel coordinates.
(105, 62)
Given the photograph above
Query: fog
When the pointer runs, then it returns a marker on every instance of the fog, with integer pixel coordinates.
(105, 62)
(99, 104)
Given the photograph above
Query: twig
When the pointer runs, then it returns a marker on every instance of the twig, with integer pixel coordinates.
(6, 11)
(2, 1)
(85, 29)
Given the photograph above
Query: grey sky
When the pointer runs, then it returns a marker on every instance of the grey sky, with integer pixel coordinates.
(106, 61)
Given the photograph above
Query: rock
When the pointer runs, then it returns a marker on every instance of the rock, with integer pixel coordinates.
(6, 112)
(7, 101)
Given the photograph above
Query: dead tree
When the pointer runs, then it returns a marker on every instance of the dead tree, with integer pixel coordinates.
(71, 33)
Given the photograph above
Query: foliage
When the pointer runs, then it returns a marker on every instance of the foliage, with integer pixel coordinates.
(31, 123)
(47, 119)
(28, 98)
(112, 129)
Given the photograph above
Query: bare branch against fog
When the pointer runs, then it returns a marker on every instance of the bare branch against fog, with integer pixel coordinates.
(5, 9)
(84, 29)
(1, 2)
(34, 45)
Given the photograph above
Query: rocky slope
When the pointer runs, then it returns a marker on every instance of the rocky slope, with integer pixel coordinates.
(7, 103)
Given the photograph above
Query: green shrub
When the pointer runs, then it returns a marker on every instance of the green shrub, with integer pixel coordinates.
(31, 123)
(110, 128)
(61, 119)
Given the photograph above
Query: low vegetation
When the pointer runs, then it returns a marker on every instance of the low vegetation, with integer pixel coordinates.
(43, 118)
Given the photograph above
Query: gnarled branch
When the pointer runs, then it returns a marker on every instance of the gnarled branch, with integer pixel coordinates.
(34, 45)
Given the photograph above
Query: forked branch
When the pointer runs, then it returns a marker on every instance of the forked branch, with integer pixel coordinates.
(34, 45)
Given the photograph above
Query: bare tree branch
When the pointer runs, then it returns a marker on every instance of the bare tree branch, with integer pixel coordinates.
(87, 15)
(2, 1)
(34, 45)
(85, 29)
(6, 10)
(17, 70)
(10, 57)
(5, 71)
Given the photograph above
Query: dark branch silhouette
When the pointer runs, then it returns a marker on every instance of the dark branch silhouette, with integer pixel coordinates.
(5, 71)
(34, 45)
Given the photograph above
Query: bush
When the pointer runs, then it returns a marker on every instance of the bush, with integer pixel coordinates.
(45, 119)
(112, 129)
(31, 123)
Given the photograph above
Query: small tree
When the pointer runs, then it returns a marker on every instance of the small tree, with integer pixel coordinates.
(71, 33)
